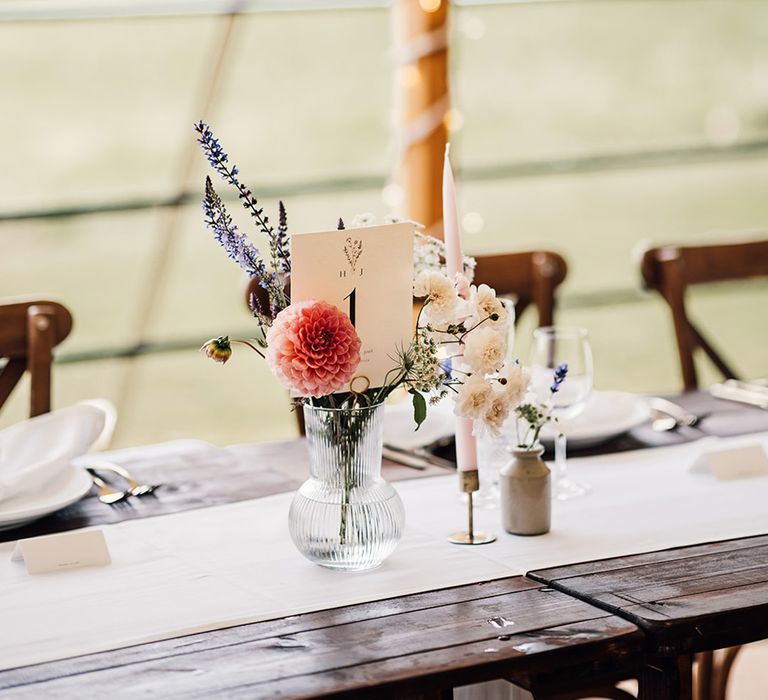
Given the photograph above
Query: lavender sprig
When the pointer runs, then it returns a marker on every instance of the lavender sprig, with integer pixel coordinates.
(280, 241)
(561, 371)
(219, 160)
(257, 309)
(236, 244)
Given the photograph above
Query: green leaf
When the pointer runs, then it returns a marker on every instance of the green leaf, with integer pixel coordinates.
(419, 408)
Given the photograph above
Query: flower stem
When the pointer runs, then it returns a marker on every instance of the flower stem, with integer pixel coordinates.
(249, 344)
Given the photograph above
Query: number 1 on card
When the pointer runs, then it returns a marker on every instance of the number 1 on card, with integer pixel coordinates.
(351, 296)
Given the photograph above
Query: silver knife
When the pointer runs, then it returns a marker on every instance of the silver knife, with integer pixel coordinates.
(415, 460)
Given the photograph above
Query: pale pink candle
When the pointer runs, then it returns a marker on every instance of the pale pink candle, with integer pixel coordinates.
(454, 258)
(466, 446)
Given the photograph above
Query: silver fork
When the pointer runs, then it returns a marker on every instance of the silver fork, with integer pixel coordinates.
(106, 493)
(136, 489)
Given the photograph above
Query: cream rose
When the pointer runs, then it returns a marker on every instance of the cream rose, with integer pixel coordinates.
(515, 381)
(440, 293)
(484, 349)
(473, 397)
(496, 413)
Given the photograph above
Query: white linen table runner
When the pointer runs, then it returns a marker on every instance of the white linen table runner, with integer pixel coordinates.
(200, 570)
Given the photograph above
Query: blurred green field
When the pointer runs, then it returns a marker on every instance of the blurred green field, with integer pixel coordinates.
(102, 111)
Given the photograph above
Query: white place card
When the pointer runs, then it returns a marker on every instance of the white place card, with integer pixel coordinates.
(67, 550)
(734, 463)
(367, 273)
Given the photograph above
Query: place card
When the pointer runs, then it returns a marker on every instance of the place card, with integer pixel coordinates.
(67, 550)
(734, 463)
(367, 273)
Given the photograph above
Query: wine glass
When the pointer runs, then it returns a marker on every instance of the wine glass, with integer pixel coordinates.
(553, 346)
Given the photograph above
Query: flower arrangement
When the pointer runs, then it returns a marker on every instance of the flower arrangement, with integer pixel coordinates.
(459, 345)
(534, 416)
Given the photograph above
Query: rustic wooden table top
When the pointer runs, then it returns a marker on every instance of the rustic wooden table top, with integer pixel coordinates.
(389, 649)
(686, 599)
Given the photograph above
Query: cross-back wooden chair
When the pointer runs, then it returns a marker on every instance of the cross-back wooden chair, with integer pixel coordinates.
(530, 277)
(29, 330)
(671, 269)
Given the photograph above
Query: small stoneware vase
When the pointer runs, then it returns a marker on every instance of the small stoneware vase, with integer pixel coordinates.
(526, 493)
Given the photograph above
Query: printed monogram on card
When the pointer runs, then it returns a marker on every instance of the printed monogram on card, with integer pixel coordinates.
(353, 249)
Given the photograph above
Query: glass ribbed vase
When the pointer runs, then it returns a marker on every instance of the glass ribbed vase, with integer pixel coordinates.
(345, 516)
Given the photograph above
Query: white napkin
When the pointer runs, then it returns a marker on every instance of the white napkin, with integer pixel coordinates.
(39, 449)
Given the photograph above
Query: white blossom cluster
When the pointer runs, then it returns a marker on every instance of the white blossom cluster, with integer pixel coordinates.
(429, 254)
(473, 325)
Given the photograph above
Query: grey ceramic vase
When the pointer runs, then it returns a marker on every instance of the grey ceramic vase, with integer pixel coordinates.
(526, 493)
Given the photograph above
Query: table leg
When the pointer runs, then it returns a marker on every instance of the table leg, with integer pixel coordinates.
(702, 683)
(721, 671)
(666, 678)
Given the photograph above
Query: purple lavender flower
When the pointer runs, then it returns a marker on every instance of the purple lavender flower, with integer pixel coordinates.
(215, 154)
(219, 160)
(561, 371)
(237, 245)
(280, 241)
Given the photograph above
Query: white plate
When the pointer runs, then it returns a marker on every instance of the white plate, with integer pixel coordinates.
(607, 414)
(68, 488)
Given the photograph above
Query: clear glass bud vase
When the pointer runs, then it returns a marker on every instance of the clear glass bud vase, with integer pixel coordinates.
(345, 516)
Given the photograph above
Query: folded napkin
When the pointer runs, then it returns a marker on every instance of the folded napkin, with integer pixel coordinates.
(36, 451)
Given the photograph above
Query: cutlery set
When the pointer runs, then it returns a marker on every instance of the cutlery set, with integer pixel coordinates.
(421, 457)
(417, 458)
(113, 496)
(753, 393)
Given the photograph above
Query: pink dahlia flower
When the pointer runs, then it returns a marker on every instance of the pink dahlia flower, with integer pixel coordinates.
(313, 348)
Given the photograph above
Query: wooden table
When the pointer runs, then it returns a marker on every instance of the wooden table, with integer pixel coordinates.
(686, 600)
(418, 645)
(423, 645)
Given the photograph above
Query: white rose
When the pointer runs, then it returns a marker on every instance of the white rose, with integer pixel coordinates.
(473, 397)
(496, 413)
(484, 349)
(517, 380)
(440, 293)
(485, 303)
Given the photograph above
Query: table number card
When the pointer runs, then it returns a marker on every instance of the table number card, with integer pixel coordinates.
(368, 274)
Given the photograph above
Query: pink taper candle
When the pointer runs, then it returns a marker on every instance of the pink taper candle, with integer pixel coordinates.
(466, 447)
(454, 259)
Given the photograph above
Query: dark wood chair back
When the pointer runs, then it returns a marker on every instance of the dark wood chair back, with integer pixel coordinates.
(671, 269)
(531, 277)
(29, 330)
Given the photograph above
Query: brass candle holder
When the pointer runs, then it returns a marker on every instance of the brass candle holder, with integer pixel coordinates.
(469, 482)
